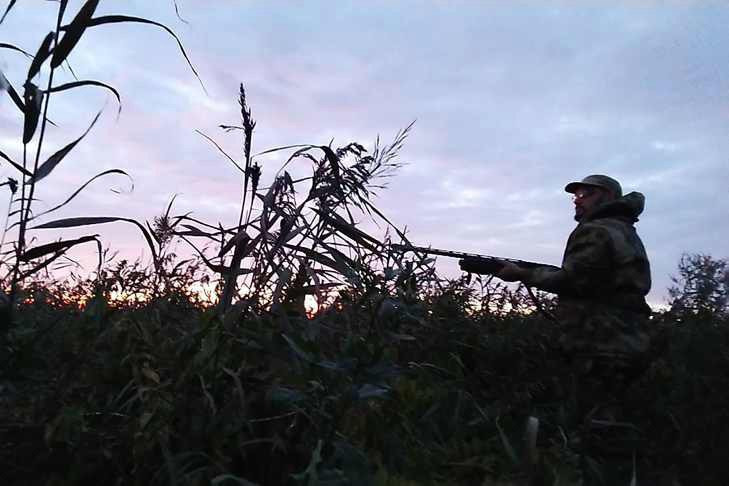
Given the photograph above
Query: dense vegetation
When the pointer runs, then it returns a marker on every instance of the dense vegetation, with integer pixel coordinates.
(380, 388)
(209, 369)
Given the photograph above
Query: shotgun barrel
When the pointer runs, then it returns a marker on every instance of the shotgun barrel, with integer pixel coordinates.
(484, 263)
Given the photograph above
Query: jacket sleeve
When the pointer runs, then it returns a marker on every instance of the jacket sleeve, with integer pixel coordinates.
(586, 266)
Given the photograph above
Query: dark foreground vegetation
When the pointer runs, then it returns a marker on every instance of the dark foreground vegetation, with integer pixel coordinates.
(400, 388)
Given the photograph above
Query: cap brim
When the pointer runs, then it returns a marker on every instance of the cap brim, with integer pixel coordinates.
(573, 186)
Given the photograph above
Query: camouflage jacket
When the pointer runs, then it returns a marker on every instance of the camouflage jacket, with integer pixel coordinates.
(604, 277)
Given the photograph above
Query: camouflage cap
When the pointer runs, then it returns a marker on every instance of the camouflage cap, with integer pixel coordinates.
(597, 180)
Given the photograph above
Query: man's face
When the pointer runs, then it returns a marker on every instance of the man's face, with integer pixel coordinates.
(586, 198)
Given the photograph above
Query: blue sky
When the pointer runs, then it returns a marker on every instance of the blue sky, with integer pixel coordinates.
(512, 101)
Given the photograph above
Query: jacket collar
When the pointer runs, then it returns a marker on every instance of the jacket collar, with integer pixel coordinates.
(627, 207)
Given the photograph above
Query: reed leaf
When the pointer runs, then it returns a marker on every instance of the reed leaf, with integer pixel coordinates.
(42, 265)
(54, 247)
(192, 231)
(241, 250)
(317, 257)
(289, 235)
(169, 207)
(350, 230)
(44, 51)
(12, 184)
(284, 277)
(17, 166)
(62, 8)
(333, 160)
(33, 99)
(56, 158)
(116, 19)
(285, 147)
(11, 4)
(241, 238)
(177, 12)
(92, 220)
(88, 82)
(219, 269)
(302, 152)
(5, 84)
(206, 225)
(73, 32)
(220, 149)
(339, 256)
(5, 45)
(83, 186)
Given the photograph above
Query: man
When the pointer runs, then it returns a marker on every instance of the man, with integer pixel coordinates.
(601, 285)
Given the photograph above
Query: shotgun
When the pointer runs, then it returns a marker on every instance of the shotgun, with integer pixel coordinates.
(486, 264)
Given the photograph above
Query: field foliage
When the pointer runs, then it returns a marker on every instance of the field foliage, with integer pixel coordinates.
(380, 388)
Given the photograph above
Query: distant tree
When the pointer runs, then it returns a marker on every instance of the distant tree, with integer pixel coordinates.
(701, 287)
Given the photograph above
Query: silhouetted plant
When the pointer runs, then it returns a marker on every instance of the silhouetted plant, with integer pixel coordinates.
(20, 262)
(297, 237)
(701, 287)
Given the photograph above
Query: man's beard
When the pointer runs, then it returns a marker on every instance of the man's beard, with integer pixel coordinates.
(584, 212)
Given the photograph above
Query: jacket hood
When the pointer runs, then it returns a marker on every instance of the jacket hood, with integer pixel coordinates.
(629, 206)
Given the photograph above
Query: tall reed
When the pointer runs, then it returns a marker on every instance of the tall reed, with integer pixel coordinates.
(20, 261)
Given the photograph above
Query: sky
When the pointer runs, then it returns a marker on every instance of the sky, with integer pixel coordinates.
(511, 101)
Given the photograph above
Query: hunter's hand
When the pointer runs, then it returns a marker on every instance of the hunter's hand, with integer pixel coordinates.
(479, 265)
(511, 272)
(469, 265)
